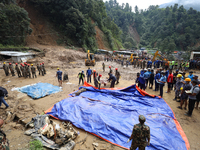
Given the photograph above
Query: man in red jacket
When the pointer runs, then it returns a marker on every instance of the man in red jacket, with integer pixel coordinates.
(169, 81)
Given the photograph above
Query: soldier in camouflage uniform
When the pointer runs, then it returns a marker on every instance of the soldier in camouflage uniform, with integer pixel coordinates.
(33, 70)
(22, 69)
(28, 72)
(11, 69)
(140, 135)
(43, 68)
(38, 68)
(134, 63)
(18, 70)
(6, 69)
(117, 75)
(4, 145)
(25, 70)
(141, 62)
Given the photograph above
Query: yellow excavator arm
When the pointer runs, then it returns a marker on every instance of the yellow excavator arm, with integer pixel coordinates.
(157, 54)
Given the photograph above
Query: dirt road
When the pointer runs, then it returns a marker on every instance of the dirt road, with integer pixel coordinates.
(15, 131)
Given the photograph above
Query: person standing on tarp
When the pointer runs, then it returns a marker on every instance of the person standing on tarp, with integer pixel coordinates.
(140, 135)
(59, 75)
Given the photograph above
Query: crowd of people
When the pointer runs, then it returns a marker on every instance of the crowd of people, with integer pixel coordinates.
(24, 69)
(184, 86)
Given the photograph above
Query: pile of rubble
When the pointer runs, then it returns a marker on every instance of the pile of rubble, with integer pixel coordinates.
(51, 134)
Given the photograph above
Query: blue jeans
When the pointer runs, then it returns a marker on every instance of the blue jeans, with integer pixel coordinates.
(2, 100)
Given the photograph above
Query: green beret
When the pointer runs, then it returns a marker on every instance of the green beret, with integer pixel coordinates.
(142, 118)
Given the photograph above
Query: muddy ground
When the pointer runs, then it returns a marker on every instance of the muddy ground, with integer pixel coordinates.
(24, 108)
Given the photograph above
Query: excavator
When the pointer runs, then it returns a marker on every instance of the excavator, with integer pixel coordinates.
(90, 61)
(157, 54)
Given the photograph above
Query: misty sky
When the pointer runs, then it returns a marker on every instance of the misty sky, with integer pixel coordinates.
(144, 4)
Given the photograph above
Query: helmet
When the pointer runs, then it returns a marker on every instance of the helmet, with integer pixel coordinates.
(82, 71)
(21, 64)
(116, 68)
(179, 76)
(9, 63)
(4, 62)
(187, 79)
(58, 68)
(42, 62)
(28, 64)
(16, 63)
(109, 66)
(94, 70)
(181, 88)
(31, 64)
(100, 75)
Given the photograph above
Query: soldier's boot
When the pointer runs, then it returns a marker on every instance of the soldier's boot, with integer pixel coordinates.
(35, 76)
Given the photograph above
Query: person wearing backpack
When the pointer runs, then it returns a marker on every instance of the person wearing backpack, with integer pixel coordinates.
(193, 96)
(3, 93)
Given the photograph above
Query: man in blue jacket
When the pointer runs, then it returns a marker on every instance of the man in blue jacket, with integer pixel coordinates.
(112, 78)
(157, 77)
(89, 73)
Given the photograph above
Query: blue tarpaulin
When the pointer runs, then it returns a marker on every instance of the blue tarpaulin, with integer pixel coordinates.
(111, 115)
(39, 90)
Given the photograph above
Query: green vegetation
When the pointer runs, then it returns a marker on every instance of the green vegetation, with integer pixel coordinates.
(168, 28)
(36, 145)
(14, 23)
(123, 16)
(77, 19)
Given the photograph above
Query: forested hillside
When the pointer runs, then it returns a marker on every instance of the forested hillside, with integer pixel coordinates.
(168, 28)
(124, 17)
(76, 20)
(14, 23)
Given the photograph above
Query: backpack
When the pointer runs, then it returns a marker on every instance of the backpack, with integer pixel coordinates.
(198, 95)
(3, 91)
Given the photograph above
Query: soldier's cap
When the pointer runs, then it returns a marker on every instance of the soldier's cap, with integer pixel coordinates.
(196, 76)
(142, 118)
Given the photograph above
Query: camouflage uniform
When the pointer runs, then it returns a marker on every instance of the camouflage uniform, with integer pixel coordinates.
(141, 64)
(43, 68)
(38, 68)
(137, 63)
(140, 134)
(117, 75)
(28, 72)
(25, 71)
(6, 69)
(144, 64)
(11, 69)
(134, 62)
(22, 70)
(33, 70)
(103, 67)
(18, 71)
(4, 145)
